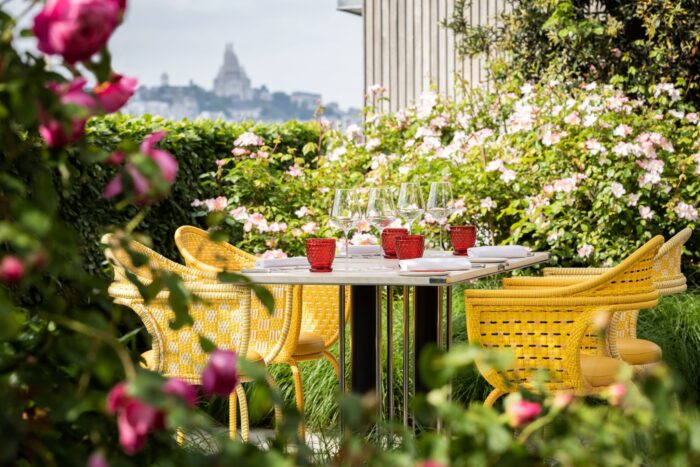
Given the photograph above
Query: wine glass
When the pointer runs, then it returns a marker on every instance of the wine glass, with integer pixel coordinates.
(411, 204)
(440, 204)
(381, 212)
(345, 214)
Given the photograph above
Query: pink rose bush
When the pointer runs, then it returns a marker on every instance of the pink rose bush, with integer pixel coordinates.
(521, 412)
(220, 377)
(114, 94)
(11, 270)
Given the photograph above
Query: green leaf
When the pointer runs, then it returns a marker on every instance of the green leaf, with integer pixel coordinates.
(207, 344)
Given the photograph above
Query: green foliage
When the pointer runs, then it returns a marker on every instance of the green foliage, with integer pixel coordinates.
(196, 146)
(637, 43)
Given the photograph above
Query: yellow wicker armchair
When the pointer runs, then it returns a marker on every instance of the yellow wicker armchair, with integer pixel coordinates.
(305, 318)
(666, 276)
(223, 316)
(522, 313)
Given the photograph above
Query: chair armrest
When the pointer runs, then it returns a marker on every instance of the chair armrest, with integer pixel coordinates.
(538, 282)
(575, 271)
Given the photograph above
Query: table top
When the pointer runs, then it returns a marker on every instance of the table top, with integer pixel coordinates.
(377, 271)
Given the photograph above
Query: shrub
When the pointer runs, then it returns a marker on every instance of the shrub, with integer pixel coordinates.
(638, 43)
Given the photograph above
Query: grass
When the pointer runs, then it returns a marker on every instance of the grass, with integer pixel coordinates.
(674, 324)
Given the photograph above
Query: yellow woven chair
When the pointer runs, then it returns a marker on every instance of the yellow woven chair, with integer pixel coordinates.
(521, 314)
(667, 278)
(309, 312)
(223, 316)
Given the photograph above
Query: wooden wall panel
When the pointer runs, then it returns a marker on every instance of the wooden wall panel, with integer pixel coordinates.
(407, 51)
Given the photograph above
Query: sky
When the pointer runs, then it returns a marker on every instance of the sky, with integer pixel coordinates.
(288, 45)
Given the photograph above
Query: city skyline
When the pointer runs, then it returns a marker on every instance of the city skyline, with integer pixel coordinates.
(302, 46)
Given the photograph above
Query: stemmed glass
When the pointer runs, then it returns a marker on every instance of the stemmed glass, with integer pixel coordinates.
(345, 214)
(440, 204)
(411, 204)
(381, 212)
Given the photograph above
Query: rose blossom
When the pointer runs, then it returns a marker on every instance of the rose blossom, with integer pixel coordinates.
(686, 211)
(273, 254)
(508, 175)
(113, 94)
(239, 151)
(216, 204)
(487, 203)
(585, 250)
(165, 161)
(76, 29)
(562, 400)
(522, 412)
(309, 227)
(135, 419)
(645, 212)
(220, 377)
(617, 189)
(97, 459)
(248, 139)
(182, 389)
(11, 270)
(616, 393)
(56, 133)
(622, 130)
(295, 171)
(372, 144)
(302, 211)
(572, 119)
(240, 213)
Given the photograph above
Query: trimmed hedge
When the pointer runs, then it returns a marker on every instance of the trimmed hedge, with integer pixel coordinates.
(196, 145)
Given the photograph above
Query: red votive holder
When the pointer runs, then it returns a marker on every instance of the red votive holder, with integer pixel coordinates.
(410, 246)
(320, 252)
(389, 237)
(462, 237)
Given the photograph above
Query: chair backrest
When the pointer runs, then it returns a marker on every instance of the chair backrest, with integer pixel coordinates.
(273, 335)
(320, 316)
(544, 337)
(200, 252)
(223, 316)
(667, 264)
(119, 253)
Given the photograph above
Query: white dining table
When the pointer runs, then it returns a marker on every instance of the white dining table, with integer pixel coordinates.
(367, 276)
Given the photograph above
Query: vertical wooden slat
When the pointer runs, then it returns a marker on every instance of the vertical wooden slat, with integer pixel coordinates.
(394, 54)
(450, 49)
(410, 52)
(401, 53)
(377, 26)
(442, 47)
(425, 45)
(418, 47)
(369, 45)
(434, 43)
(386, 55)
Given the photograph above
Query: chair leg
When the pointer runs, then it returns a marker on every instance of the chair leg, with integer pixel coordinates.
(232, 417)
(333, 361)
(299, 392)
(278, 409)
(245, 424)
(493, 397)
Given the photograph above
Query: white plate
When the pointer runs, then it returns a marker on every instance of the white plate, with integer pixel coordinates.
(424, 273)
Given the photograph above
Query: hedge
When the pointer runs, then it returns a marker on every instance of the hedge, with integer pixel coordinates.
(196, 145)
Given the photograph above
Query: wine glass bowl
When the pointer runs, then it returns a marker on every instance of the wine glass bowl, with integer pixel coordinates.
(410, 205)
(440, 204)
(345, 214)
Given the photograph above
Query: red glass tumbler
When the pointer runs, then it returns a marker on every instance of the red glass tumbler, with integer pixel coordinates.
(462, 237)
(389, 237)
(410, 246)
(320, 252)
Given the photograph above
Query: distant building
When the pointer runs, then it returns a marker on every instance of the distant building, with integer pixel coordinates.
(306, 100)
(232, 80)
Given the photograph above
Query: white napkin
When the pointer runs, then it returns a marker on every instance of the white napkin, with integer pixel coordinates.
(439, 264)
(282, 262)
(500, 251)
(363, 250)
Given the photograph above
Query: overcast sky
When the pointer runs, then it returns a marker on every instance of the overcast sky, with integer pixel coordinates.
(288, 45)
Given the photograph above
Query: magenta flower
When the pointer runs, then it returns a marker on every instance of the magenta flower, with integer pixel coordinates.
(76, 29)
(616, 393)
(220, 376)
(135, 420)
(166, 162)
(181, 389)
(58, 134)
(114, 94)
(522, 412)
(97, 459)
(11, 270)
(139, 182)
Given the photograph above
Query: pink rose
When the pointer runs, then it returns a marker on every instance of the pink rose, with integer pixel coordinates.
(135, 420)
(116, 398)
(139, 183)
(58, 134)
(562, 400)
(113, 94)
(166, 162)
(522, 412)
(11, 270)
(97, 459)
(76, 29)
(116, 158)
(221, 374)
(616, 393)
(181, 389)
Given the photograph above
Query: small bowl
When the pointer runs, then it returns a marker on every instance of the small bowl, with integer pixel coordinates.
(410, 246)
(320, 252)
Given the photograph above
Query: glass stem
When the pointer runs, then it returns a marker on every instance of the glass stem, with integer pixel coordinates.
(442, 245)
(347, 250)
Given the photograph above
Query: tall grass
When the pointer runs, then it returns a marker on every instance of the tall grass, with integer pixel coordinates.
(674, 324)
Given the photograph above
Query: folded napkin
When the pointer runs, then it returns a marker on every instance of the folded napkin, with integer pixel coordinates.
(500, 251)
(363, 250)
(439, 264)
(282, 262)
